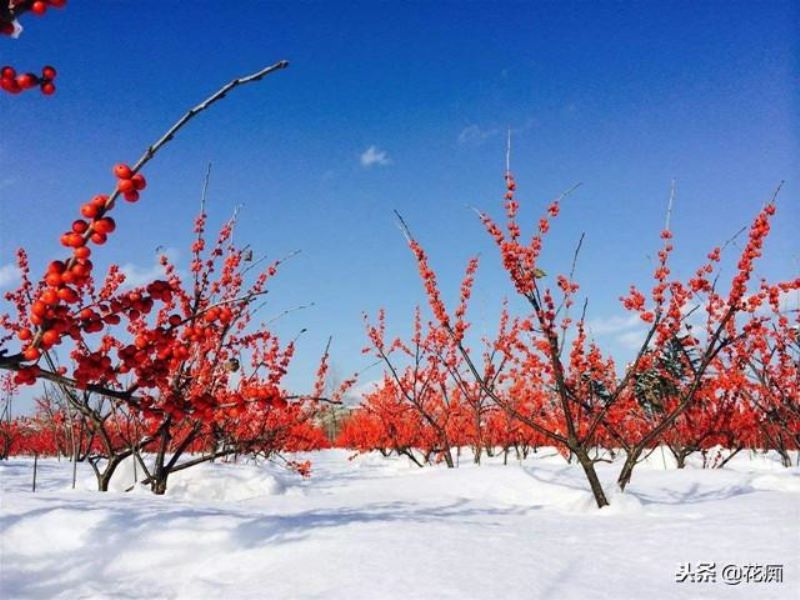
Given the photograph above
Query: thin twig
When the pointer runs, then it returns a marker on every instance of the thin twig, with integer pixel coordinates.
(669, 204)
(508, 152)
(401, 223)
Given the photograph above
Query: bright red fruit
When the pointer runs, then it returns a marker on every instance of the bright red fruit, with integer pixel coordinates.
(39, 7)
(105, 225)
(122, 171)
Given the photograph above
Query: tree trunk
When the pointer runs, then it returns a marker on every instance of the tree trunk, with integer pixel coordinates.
(627, 469)
(408, 453)
(158, 481)
(159, 484)
(104, 477)
(591, 476)
(479, 442)
(448, 457)
(477, 450)
(733, 453)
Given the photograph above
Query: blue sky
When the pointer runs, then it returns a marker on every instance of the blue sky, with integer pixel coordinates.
(620, 97)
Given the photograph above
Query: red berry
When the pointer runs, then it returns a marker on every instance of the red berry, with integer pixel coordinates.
(67, 294)
(100, 201)
(125, 185)
(131, 196)
(48, 89)
(10, 85)
(56, 266)
(90, 211)
(31, 353)
(139, 182)
(49, 72)
(75, 240)
(104, 225)
(39, 309)
(80, 271)
(98, 238)
(50, 338)
(122, 171)
(8, 73)
(54, 279)
(27, 80)
(49, 297)
(39, 7)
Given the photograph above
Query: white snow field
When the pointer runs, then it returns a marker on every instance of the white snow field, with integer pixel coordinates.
(376, 528)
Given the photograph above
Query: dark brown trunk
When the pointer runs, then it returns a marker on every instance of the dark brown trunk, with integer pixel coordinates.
(627, 469)
(591, 476)
(159, 486)
(104, 476)
(35, 464)
(448, 457)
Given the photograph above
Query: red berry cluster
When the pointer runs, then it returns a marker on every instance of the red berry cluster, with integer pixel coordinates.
(129, 184)
(14, 83)
(96, 225)
(64, 280)
(264, 395)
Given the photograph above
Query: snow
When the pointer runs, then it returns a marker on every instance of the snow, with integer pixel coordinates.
(376, 527)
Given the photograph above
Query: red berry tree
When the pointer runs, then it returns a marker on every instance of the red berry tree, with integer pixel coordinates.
(181, 358)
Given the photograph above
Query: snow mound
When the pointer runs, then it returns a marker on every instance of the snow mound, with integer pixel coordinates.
(224, 483)
(66, 531)
(215, 482)
(786, 482)
(374, 460)
(622, 503)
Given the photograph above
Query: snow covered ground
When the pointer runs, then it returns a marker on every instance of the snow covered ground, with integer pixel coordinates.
(377, 528)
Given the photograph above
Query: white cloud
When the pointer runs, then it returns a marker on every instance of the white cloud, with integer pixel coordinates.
(632, 340)
(136, 275)
(473, 134)
(374, 156)
(366, 387)
(613, 324)
(477, 135)
(356, 394)
(9, 275)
